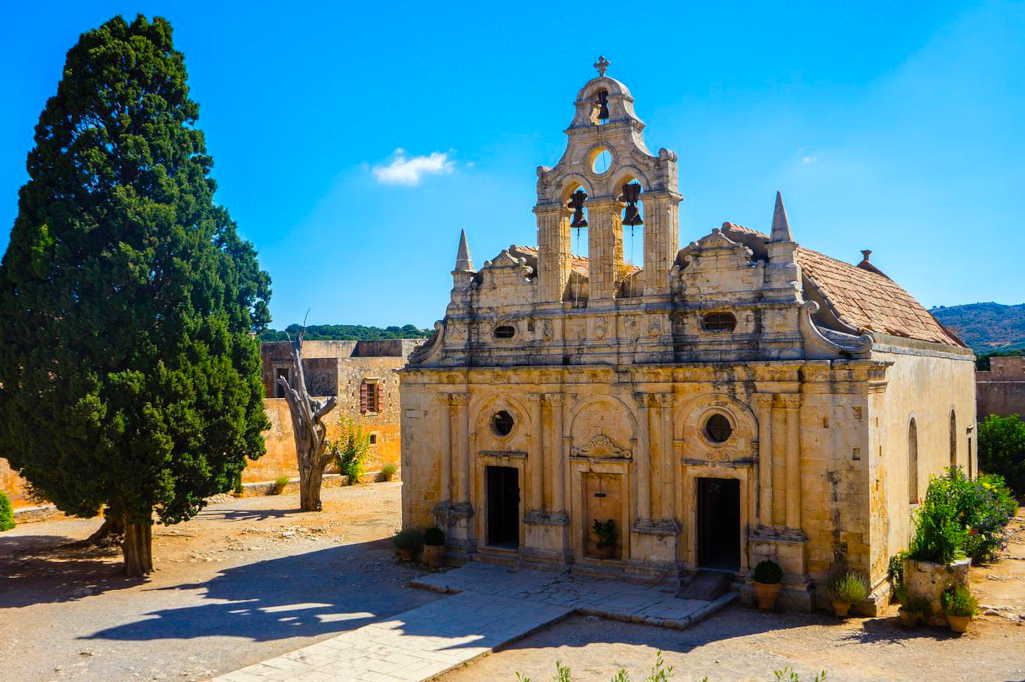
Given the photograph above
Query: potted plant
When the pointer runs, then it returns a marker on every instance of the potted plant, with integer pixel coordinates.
(606, 532)
(847, 588)
(408, 544)
(434, 547)
(959, 605)
(913, 609)
(768, 579)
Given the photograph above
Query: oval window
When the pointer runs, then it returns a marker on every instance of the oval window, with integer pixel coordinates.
(718, 322)
(718, 428)
(505, 331)
(502, 423)
(601, 161)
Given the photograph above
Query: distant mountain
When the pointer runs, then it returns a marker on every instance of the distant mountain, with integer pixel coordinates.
(346, 332)
(986, 327)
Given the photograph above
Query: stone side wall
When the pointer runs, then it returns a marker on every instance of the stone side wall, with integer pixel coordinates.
(926, 386)
(1001, 390)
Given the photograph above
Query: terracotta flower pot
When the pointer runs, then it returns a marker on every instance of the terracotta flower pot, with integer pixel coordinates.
(433, 555)
(766, 594)
(958, 623)
(840, 608)
(604, 551)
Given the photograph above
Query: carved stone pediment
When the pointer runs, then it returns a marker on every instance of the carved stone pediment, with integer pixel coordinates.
(602, 447)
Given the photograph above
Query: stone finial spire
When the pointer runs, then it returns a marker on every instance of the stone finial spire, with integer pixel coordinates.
(464, 261)
(780, 223)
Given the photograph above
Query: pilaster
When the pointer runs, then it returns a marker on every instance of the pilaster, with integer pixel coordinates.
(661, 239)
(605, 247)
(554, 251)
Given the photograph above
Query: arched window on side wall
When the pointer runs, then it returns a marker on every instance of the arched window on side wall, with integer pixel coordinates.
(913, 462)
(953, 438)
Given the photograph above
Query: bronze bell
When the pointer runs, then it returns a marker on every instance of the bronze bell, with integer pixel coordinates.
(631, 195)
(576, 202)
(603, 105)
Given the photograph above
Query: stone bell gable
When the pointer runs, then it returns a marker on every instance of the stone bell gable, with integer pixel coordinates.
(739, 399)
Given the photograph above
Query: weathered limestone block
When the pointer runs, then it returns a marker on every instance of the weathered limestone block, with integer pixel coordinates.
(929, 580)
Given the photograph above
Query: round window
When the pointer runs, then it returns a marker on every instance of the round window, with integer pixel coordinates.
(502, 423)
(601, 161)
(718, 428)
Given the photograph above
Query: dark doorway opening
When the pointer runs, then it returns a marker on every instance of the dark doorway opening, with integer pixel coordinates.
(503, 507)
(719, 523)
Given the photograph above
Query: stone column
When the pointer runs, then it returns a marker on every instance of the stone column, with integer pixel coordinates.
(661, 239)
(642, 461)
(536, 459)
(669, 485)
(791, 406)
(462, 445)
(604, 246)
(557, 454)
(765, 459)
(446, 448)
(554, 250)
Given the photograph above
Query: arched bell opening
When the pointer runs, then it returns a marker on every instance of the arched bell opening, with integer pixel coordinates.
(630, 193)
(575, 199)
(600, 107)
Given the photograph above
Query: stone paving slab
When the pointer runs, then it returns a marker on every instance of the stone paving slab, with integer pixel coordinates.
(416, 645)
(432, 639)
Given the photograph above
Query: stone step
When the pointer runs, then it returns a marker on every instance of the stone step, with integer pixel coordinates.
(707, 585)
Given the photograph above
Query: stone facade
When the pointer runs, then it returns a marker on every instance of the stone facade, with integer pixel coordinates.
(739, 399)
(1001, 390)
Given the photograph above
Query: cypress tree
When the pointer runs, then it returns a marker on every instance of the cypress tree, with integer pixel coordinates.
(129, 365)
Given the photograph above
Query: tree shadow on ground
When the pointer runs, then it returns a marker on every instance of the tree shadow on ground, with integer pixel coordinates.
(325, 591)
(37, 569)
(215, 514)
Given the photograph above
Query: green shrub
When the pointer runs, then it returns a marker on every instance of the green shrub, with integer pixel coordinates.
(434, 536)
(388, 472)
(849, 587)
(1002, 450)
(958, 601)
(280, 483)
(6, 512)
(351, 449)
(410, 538)
(939, 536)
(767, 572)
(963, 517)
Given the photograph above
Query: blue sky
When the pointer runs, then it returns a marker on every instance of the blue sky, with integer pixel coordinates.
(897, 127)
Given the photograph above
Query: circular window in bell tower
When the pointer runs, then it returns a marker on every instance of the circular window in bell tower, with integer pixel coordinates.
(601, 160)
(502, 423)
(718, 428)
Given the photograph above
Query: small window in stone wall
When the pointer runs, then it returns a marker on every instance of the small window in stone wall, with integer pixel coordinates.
(373, 439)
(718, 322)
(718, 428)
(502, 423)
(505, 331)
(370, 396)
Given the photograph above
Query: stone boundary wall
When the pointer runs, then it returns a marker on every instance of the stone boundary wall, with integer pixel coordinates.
(1001, 390)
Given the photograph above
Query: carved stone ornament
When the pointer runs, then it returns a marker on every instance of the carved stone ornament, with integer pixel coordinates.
(602, 447)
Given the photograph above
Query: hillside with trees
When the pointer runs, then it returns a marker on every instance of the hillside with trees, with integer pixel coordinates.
(986, 327)
(345, 332)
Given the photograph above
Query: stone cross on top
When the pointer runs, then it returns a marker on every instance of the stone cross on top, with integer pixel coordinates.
(601, 65)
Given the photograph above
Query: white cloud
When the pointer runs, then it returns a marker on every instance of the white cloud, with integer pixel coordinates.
(807, 159)
(408, 170)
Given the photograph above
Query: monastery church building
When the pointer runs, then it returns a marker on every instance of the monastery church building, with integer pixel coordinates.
(740, 399)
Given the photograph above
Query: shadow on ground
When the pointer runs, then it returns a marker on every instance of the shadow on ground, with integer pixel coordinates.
(327, 591)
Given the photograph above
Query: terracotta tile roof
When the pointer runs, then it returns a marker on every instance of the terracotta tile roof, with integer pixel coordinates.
(862, 298)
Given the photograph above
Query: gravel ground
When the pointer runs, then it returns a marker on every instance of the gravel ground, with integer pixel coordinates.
(245, 580)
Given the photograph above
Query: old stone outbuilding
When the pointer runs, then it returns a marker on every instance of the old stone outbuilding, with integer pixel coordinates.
(739, 399)
(1001, 389)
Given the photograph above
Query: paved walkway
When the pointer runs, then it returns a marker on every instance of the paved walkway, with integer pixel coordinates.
(427, 641)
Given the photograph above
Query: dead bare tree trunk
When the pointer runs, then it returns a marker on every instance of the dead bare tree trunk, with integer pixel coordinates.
(309, 431)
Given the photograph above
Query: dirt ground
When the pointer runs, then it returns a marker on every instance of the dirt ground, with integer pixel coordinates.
(744, 644)
(252, 578)
(245, 580)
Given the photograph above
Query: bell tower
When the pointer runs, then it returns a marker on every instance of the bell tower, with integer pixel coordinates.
(602, 177)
